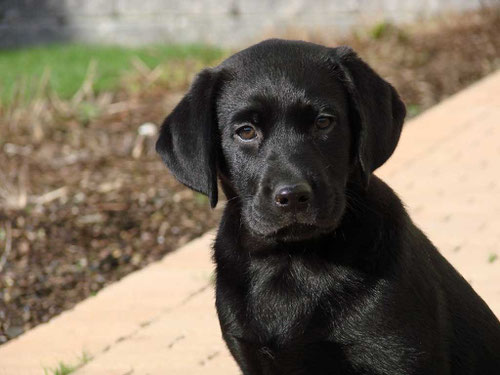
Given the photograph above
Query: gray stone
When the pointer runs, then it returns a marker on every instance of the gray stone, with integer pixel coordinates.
(14, 331)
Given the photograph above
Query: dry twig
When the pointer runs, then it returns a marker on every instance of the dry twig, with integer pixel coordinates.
(8, 245)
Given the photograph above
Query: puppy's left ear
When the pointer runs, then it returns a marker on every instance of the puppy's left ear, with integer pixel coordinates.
(379, 111)
(189, 139)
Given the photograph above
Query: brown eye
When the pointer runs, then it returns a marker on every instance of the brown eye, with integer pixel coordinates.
(246, 132)
(323, 122)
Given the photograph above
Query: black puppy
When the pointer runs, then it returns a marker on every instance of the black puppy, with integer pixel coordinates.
(319, 268)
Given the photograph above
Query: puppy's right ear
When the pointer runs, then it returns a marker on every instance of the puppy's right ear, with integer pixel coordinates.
(189, 138)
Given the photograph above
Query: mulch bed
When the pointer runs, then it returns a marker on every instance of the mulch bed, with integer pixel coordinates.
(83, 208)
(109, 214)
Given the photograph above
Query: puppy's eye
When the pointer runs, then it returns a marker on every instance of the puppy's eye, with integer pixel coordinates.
(246, 132)
(323, 122)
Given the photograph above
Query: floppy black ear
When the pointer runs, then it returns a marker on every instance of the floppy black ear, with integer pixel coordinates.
(189, 140)
(378, 110)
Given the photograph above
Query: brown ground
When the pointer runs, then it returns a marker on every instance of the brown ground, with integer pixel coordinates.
(79, 208)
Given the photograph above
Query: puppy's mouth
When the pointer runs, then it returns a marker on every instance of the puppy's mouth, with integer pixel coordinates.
(300, 231)
(296, 229)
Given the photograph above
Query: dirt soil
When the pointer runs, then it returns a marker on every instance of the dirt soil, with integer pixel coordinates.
(84, 200)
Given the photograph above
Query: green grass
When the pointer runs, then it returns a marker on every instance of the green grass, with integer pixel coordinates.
(68, 65)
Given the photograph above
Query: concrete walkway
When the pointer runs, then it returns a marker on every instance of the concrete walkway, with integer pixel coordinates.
(161, 320)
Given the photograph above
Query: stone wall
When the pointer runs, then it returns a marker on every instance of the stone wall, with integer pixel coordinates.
(221, 22)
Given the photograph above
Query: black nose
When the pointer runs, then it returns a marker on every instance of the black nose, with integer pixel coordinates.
(293, 196)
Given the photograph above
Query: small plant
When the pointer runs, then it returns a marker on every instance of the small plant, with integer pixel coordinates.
(87, 111)
(413, 110)
(200, 199)
(65, 369)
(380, 30)
(492, 258)
(61, 369)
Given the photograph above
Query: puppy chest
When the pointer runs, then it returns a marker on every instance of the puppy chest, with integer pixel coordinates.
(282, 307)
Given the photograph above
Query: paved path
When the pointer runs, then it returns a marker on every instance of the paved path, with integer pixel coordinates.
(161, 320)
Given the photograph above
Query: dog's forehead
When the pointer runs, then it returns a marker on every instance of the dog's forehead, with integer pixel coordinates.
(278, 59)
(278, 51)
(284, 70)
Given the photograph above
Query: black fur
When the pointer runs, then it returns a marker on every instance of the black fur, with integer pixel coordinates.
(341, 282)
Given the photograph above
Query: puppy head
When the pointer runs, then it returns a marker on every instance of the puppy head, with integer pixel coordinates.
(285, 125)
